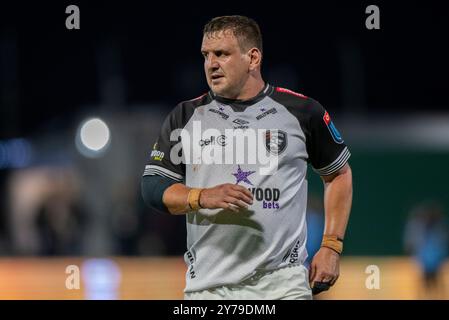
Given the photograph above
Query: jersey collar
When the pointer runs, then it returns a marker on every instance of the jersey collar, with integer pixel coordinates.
(262, 94)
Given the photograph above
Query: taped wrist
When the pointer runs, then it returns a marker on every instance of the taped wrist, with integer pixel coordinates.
(194, 199)
(333, 242)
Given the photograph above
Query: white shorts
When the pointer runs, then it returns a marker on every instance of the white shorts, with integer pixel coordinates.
(289, 283)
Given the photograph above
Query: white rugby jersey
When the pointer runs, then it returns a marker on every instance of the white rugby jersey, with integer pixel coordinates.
(224, 247)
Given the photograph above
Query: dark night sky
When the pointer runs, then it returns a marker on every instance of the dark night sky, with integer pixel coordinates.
(403, 67)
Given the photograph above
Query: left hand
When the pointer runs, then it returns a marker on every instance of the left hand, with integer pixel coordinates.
(325, 267)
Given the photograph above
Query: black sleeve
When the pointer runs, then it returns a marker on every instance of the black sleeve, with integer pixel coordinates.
(153, 188)
(160, 161)
(326, 148)
(162, 170)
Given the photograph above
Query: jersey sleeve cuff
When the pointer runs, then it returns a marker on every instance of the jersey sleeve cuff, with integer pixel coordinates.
(151, 170)
(336, 165)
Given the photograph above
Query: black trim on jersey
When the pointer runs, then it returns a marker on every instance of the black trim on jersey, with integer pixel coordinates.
(336, 165)
(240, 105)
(177, 119)
(151, 170)
(325, 155)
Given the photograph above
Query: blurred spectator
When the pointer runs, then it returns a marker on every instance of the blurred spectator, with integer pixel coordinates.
(45, 215)
(426, 238)
(161, 234)
(125, 221)
(59, 222)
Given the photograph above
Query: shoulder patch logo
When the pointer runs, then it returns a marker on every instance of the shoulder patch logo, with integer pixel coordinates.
(156, 154)
(278, 89)
(332, 129)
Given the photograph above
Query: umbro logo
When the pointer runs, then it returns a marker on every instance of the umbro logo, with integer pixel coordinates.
(240, 122)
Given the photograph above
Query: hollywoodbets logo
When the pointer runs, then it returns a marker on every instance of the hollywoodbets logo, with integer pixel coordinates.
(268, 196)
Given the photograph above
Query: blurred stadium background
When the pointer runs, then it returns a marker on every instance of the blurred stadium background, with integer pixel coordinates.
(62, 204)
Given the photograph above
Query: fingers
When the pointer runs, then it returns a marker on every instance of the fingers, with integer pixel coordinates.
(334, 280)
(233, 207)
(227, 196)
(324, 277)
(243, 190)
(318, 274)
(230, 206)
(237, 197)
(236, 202)
(241, 196)
(324, 271)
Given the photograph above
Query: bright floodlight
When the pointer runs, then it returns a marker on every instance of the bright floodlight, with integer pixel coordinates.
(93, 137)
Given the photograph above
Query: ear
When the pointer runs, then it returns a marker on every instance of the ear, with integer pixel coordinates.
(255, 58)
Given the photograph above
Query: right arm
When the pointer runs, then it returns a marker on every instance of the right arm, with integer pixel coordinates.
(167, 195)
(225, 196)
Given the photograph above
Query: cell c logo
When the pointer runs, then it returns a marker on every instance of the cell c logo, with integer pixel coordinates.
(219, 140)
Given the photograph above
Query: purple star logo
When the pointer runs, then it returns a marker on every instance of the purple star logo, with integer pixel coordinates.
(221, 108)
(263, 109)
(243, 176)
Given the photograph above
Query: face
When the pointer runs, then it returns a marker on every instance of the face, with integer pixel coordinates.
(225, 65)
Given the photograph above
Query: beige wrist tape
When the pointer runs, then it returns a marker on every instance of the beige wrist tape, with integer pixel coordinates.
(333, 242)
(194, 198)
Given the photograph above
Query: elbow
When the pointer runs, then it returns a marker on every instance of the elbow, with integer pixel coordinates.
(345, 174)
(346, 170)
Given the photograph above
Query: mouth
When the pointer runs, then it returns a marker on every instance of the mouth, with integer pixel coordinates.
(216, 76)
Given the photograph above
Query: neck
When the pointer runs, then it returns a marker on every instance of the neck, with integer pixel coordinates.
(251, 88)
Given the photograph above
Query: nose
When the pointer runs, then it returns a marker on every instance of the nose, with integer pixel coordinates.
(212, 62)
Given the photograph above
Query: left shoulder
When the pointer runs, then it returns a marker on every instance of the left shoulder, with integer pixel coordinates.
(295, 101)
(287, 92)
